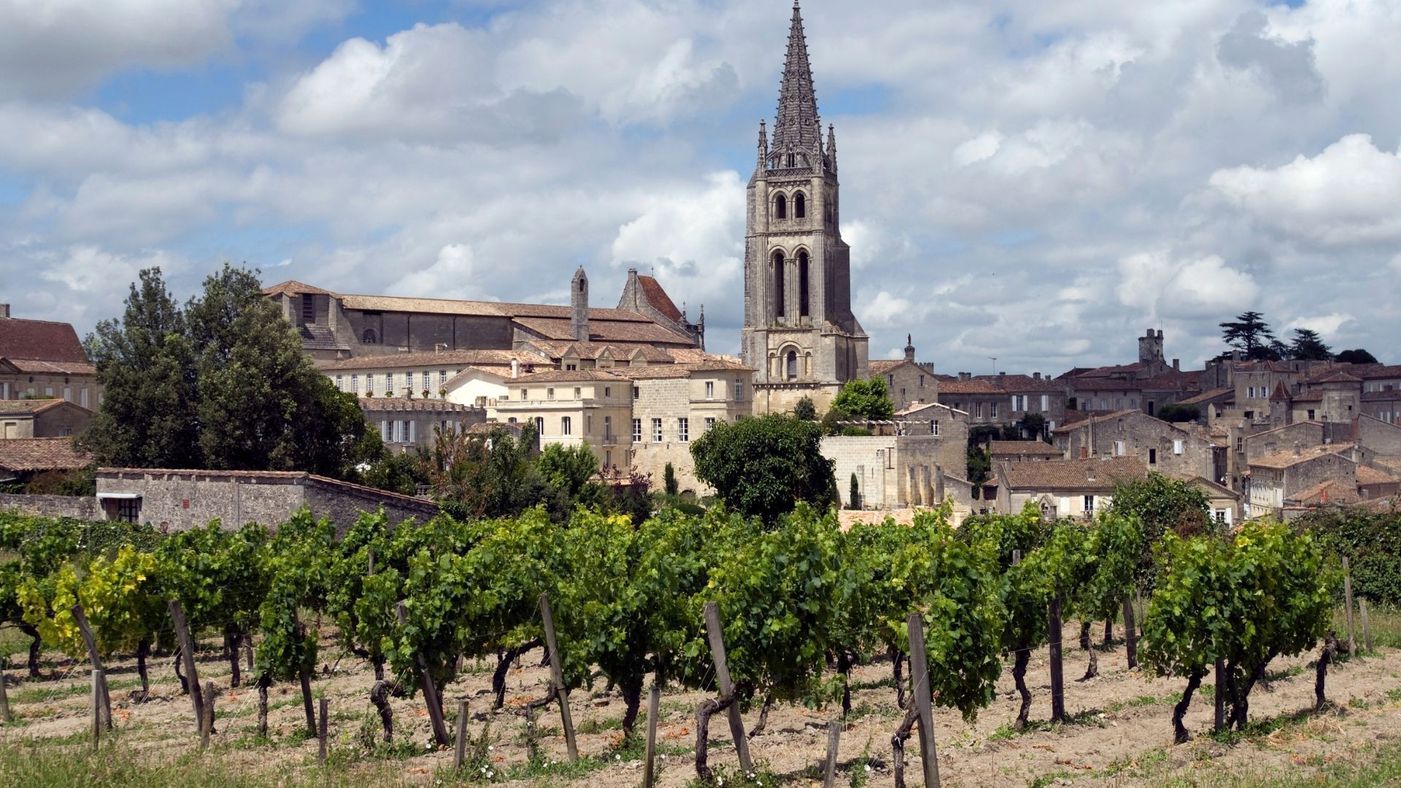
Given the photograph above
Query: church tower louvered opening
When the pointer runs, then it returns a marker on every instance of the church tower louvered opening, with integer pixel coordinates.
(799, 334)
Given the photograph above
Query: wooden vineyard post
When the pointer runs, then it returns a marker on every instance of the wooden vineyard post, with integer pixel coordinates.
(834, 736)
(96, 707)
(1130, 633)
(430, 690)
(649, 764)
(459, 752)
(187, 654)
(103, 702)
(1219, 691)
(557, 676)
(5, 716)
(924, 698)
(716, 635)
(1347, 598)
(1366, 626)
(206, 728)
(1053, 631)
(321, 730)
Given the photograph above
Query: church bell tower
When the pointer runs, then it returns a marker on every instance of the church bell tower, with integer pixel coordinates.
(800, 335)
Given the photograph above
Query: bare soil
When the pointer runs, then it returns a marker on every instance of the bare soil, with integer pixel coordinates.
(1120, 731)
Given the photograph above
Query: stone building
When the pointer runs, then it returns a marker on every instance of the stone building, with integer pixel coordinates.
(908, 381)
(585, 407)
(1277, 480)
(180, 500)
(644, 294)
(1064, 488)
(425, 375)
(40, 359)
(1147, 385)
(1180, 451)
(41, 418)
(895, 472)
(1003, 399)
(1023, 451)
(1381, 392)
(800, 335)
(339, 326)
(408, 424)
(949, 425)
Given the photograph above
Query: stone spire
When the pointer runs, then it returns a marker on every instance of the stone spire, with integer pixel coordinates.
(797, 128)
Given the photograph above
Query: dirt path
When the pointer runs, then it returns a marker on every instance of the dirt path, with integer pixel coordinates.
(1120, 734)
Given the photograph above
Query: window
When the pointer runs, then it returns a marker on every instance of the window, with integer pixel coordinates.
(608, 458)
(792, 160)
(355, 384)
(1311, 415)
(386, 433)
(340, 383)
(129, 510)
(408, 382)
(739, 390)
(710, 389)
(709, 422)
(978, 410)
(656, 430)
(370, 383)
(636, 392)
(683, 430)
(1118, 448)
(778, 295)
(539, 425)
(637, 430)
(1152, 456)
(1045, 403)
(890, 381)
(1221, 516)
(369, 337)
(608, 429)
(803, 288)
(607, 392)
(412, 437)
(992, 406)
(566, 426)
(800, 206)
(549, 393)
(83, 397)
(578, 393)
(388, 383)
(308, 309)
(442, 378)
(1089, 504)
(588, 424)
(525, 394)
(792, 365)
(1177, 447)
(780, 207)
(934, 427)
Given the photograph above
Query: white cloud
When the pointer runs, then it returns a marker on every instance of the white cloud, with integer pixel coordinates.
(1346, 195)
(450, 276)
(1166, 287)
(1326, 325)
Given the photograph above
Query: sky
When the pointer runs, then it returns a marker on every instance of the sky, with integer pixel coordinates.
(1025, 181)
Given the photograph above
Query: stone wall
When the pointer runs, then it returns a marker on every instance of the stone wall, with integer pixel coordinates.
(1305, 434)
(1151, 440)
(78, 508)
(344, 503)
(1378, 437)
(181, 500)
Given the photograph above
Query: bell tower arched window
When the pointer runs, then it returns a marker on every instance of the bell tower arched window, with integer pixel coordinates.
(778, 294)
(803, 283)
(780, 207)
(791, 365)
(800, 206)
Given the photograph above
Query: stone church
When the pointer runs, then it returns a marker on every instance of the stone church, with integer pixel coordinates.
(800, 335)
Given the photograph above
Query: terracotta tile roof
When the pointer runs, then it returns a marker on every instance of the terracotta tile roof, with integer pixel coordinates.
(657, 297)
(1325, 492)
(597, 350)
(293, 287)
(446, 306)
(1372, 476)
(1208, 396)
(570, 376)
(658, 372)
(469, 373)
(1296, 426)
(1377, 371)
(27, 407)
(1288, 459)
(402, 405)
(39, 367)
(40, 339)
(1023, 448)
(1214, 489)
(1381, 396)
(997, 384)
(1093, 475)
(1098, 419)
(919, 407)
(1337, 376)
(23, 455)
(882, 366)
(426, 360)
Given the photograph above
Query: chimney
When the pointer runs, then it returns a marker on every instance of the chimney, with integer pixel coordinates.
(4, 310)
(965, 376)
(1036, 376)
(1298, 449)
(515, 368)
(579, 301)
(1177, 364)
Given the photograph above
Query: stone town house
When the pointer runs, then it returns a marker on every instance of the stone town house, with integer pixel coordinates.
(908, 381)
(800, 335)
(1004, 399)
(40, 359)
(1180, 451)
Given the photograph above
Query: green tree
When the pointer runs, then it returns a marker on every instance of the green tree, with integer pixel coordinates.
(475, 476)
(1033, 425)
(570, 473)
(854, 494)
(1179, 414)
(1307, 345)
(1161, 505)
(762, 467)
(261, 403)
(1250, 334)
(1358, 356)
(865, 400)
(805, 410)
(669, 484)
(146, 368)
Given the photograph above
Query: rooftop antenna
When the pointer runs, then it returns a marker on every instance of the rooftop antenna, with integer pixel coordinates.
(994, 364)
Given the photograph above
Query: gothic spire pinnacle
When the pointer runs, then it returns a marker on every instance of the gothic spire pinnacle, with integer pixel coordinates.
(797, 127)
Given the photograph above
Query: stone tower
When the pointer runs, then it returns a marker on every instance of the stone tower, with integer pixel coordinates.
(579, 305)
(800, 335)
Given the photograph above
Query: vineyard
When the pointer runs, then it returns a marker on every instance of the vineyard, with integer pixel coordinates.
(364, 646)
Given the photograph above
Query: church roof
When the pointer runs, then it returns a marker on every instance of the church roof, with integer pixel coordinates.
(657, 297)
(797, 127)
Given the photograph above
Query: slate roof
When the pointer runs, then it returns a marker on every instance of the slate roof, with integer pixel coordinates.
(1093, 475)
(25, 455)
(40, 339)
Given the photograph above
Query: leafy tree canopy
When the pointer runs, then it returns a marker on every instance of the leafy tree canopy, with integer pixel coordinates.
(762, 467)
(1251, 335)
(1358, 356)
(1178, 414)
(865, 400)
(1307, 345)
